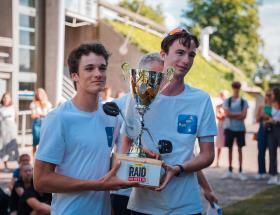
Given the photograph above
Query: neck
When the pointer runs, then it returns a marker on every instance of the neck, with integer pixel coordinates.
(235, 96)
(175, 87)
(86, 102)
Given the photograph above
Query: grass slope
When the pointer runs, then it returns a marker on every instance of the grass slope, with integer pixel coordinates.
(211, 77)
(263, 203)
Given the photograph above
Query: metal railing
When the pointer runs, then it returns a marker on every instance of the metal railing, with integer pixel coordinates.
(24, 125)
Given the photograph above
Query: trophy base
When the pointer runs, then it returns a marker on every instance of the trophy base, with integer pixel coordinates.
(146, 171)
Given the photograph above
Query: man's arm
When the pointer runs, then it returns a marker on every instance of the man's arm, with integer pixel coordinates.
(39, 207)
(48, 181)
(201, 161)
(207, 190)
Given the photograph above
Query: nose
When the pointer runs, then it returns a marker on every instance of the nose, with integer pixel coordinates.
(186, 59)
(97, 73)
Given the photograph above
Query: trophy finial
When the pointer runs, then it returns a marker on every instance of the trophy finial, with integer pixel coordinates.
(125, 70)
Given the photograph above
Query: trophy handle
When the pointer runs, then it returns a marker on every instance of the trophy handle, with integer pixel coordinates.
(125, 70)
(168, 76)
(150, 135)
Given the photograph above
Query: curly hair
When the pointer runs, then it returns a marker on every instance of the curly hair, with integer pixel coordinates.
(85, 49)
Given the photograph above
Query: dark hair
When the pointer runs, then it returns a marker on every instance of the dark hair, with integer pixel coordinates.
(85, 49)
(184, 38)
(276, 92)
(236, 85)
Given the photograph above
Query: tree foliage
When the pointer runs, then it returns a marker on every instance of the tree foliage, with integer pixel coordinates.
(154, 14)
(237, 21)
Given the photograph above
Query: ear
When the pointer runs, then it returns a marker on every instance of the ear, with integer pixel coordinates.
(162, 55)
(75, 76)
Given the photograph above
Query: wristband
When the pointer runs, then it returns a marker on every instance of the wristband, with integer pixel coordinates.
(181, 169)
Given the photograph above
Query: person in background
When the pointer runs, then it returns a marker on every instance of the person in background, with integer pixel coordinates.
(8, 131)
(220, 115)
(235, 111)
(24, 159)
(263, 115)
(40, 107)
(274, 136)
(22, 184)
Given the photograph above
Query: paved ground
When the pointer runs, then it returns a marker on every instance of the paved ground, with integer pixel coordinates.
(228, 191)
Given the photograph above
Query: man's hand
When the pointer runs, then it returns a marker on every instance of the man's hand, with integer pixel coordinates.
(112, 182)
(210, 196)
(151, 154)
(170, 171)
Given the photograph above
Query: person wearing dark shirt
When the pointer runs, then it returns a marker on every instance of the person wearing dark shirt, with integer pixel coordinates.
(24, 182)
(33, 202)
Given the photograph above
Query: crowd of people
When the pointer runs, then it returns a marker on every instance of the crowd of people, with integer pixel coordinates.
(231, 113)
(76, 140)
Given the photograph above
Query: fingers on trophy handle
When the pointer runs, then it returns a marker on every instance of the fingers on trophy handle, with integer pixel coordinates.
(125, 70)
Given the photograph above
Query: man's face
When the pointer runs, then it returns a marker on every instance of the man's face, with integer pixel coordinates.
(91, 77)
(236, 91)
(179, 57)
(26, 172)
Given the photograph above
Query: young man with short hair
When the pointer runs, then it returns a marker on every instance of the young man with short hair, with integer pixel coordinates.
(179, 115)
(235, 112)
(73, 159)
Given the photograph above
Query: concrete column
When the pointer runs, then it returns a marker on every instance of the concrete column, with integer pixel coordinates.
(40, 43)
(15, 50)
(54, 49)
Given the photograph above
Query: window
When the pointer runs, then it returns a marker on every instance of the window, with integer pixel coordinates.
(28, 3)
(26, 60)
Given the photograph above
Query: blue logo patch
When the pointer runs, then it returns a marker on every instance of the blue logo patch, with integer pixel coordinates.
(109, 132)
(187, 124)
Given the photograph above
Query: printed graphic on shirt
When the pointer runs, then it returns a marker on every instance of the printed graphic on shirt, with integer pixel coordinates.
(165, 146)
(137, 172)
(187, 124)
(109, 132)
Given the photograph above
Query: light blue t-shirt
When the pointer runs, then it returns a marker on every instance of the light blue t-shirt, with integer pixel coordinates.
(235, 107)
(181, 120)
(79, 143)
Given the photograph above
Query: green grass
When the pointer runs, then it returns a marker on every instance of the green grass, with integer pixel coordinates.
(263, 203)
(211, 77)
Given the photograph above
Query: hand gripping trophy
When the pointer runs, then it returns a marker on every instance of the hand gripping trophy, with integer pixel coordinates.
(144, 87)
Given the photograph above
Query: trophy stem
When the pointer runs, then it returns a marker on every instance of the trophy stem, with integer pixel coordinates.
(136, 150)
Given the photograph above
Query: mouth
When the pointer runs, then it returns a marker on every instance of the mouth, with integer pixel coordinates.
(182, 68)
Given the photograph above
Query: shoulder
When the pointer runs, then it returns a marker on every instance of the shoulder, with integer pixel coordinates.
(196, 92)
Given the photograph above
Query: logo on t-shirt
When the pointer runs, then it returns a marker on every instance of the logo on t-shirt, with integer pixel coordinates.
(187, 124)
(137, 172)
(109, 132)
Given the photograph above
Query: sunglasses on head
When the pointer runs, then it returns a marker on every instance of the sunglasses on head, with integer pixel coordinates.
(176, 31)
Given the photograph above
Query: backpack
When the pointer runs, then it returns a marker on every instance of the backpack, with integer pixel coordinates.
(241, 103)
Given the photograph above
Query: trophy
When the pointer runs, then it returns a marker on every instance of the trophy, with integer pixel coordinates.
(144, 87)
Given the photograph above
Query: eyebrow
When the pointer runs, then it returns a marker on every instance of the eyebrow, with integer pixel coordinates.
(101, 65)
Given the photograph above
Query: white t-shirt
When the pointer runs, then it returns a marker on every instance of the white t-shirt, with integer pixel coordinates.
(276, 114)
(179, 119)
(79, 143)
(8, 113)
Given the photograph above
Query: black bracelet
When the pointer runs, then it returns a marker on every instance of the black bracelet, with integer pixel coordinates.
(181, 169)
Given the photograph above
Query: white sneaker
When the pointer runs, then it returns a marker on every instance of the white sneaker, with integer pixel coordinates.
(273, 180)
(228, 174)
(260, 176)
(242, 176)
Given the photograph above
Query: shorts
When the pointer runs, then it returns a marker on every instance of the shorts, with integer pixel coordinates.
(231, 135)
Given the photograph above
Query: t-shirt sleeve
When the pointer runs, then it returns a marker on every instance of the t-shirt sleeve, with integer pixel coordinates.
(207, 125)
(16, 173)
(52, 143)
(246, 105)
(29, 193)
(226, 104)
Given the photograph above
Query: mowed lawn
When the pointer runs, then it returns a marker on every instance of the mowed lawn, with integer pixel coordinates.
(263, 203)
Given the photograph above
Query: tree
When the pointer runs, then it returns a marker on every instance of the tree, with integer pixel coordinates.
(237, 21)
(145, 10)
